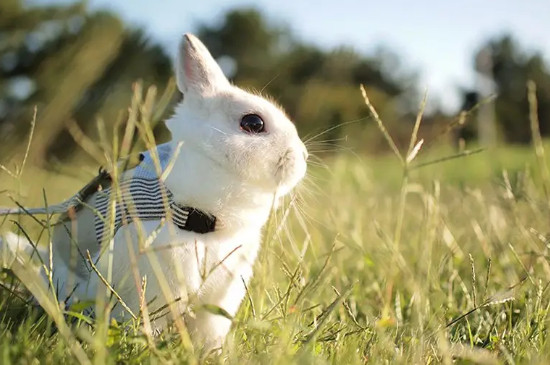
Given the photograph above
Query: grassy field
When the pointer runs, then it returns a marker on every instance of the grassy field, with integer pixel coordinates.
(447, 263)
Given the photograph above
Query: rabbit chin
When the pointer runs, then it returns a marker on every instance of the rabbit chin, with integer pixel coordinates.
(290, 174)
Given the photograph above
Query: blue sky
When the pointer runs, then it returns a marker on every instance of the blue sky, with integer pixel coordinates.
(435, 37)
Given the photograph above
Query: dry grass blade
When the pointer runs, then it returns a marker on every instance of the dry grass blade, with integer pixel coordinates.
(381, 126)
(89, 146)
(249, 298)
(164, 101)
(171, 162)
(321, 319)
(460, 120)
(8, 171)
(50, 243)
(34, 247)
(12, 291)
(129, 131)
(28, 148)
(220, 262)
(498, 298)
(414, 146)
(537, 139)
(414, 152)
(36, 286)
(522, 264)
(19, 172)
(447, 158)
(414, 134)
(108, 285)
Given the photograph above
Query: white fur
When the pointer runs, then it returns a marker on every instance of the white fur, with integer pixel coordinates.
(11, 246)
(222, 170)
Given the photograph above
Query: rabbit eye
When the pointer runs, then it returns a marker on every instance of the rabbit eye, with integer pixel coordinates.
(252, 123)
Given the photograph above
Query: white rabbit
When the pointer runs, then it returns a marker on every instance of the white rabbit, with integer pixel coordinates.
(239, 154)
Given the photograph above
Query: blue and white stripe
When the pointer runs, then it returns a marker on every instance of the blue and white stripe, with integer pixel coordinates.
(140, 196)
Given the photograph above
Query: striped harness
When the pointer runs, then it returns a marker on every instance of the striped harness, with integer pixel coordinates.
(144, 196)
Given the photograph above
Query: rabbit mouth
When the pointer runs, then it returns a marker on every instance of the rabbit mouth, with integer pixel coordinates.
(283, 165)
(288, 171)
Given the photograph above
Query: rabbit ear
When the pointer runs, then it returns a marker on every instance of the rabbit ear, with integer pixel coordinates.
(197, 71)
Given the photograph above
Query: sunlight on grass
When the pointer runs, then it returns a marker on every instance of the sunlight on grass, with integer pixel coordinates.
(467, 280)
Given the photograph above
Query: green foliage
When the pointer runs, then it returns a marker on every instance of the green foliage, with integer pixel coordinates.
(316, 87)
(71, 64)
(331, 286)
(376, 260)
(78, 65)
(245, 36)
(503, 61)
(512, 68)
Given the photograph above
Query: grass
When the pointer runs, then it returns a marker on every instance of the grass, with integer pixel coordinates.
(378, 263)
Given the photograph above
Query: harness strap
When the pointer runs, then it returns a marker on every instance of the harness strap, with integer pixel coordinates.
(142, 195)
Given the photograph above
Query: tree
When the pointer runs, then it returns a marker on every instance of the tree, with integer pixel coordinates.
(510, 67)
(71, 63)
(245, 36)
(319, 89)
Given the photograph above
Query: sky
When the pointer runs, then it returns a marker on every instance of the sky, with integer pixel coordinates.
(436, 38)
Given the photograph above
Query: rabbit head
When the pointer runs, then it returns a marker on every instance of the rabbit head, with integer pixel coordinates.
(244, 134)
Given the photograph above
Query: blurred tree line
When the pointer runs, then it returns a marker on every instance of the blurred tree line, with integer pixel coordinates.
(319, 89)
(75, 64)
(71, 64)
(504, 68)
